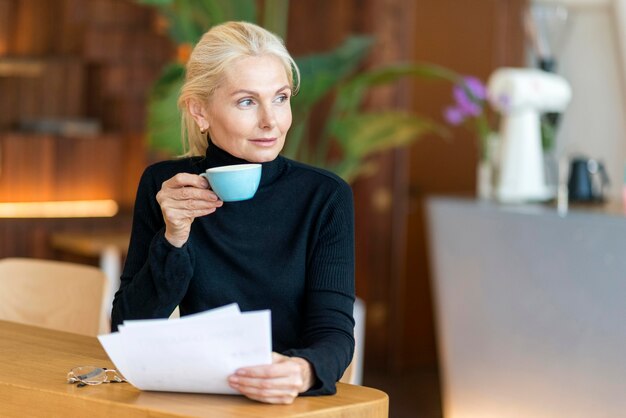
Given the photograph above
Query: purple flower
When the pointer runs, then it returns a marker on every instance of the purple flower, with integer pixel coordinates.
(464, 102)
(454, 115)
(476, 87)
(469, 95)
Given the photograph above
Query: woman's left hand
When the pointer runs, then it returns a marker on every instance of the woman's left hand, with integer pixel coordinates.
(280, 382)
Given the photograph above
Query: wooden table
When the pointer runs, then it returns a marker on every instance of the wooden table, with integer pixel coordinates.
(34, 363)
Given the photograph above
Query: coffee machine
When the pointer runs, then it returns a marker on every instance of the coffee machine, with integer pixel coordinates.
(521, 95)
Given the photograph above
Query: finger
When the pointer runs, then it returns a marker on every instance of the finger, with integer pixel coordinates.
(271, 371)
(186, 179)
(186, 215)
(286, 383)
(190, 204)
(269, 395)
(277, 358)
(265, 387)
(281, 366)
(185, 193)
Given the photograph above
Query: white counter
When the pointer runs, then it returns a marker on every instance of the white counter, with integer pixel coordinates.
(530, 310)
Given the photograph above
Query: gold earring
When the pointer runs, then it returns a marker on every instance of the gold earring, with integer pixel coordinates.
(204, 130)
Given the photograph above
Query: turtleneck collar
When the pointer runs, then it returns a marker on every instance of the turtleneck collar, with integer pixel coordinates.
(271, 170)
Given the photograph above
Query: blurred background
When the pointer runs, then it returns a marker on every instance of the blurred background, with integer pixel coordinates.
(86, 87)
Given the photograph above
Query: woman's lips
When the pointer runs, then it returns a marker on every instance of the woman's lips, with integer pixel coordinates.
(263, 142)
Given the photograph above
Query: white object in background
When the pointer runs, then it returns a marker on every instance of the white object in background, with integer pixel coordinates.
(111, 265)
(359, 340)
(521, 95)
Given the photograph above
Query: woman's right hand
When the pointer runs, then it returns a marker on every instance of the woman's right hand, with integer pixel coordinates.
(183, 198)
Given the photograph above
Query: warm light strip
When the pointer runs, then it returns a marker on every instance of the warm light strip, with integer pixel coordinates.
(20, 68)
(60, 209)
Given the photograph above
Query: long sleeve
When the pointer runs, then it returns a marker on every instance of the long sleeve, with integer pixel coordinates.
(156, 274)
(328, 337)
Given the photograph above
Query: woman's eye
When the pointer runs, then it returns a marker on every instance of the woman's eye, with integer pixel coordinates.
(282, 98)
(245, 102)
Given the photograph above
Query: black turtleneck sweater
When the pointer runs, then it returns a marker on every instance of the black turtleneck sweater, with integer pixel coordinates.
(289, 249)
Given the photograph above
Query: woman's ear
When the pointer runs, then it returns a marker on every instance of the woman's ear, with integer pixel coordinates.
(199, 114)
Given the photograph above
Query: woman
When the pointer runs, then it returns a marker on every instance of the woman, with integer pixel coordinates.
(289, 249)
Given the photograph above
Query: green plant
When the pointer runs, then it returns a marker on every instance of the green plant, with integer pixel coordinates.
(349, 136)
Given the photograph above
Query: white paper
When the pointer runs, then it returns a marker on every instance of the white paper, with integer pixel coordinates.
(226, 310)
(191, 354)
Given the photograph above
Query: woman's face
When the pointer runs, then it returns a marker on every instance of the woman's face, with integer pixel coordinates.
(249, 113)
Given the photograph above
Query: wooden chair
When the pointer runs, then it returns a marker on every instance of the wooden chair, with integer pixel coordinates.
(354, 373)
(53, 294)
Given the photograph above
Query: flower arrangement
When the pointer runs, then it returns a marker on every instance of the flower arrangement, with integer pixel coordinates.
(470, 98)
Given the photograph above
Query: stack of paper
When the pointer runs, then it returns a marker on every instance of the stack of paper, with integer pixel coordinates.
(195, 353)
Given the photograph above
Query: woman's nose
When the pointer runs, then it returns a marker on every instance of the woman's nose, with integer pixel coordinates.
(267, 118)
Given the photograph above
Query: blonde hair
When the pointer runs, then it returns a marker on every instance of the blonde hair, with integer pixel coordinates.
(213, 54)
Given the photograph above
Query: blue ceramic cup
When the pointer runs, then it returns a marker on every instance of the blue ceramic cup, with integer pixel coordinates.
(232, 183)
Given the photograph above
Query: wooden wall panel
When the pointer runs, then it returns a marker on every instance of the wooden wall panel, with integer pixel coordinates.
(88, 168)
(6, 25)
(8, 109)
(382, 198)
(99, 60)
(45, 167)
(35, 22)
(32, 237)
(57, 93)
(27, 170)
(319, 26)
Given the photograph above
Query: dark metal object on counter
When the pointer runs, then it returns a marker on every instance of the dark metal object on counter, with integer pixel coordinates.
(587, 180)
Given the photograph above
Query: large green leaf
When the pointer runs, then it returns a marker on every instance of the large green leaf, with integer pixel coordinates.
(188, 20)
(320, 73)
(364, 134)
(275, 16)
(156, 2)
(225, 10)
(164, 128)
(350, 94)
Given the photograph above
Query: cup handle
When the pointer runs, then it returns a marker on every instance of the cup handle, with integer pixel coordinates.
(206, 176)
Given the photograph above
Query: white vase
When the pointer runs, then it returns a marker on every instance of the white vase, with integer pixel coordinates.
(484, 180)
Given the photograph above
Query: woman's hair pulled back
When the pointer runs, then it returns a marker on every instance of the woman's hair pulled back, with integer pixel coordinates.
(216, 51)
